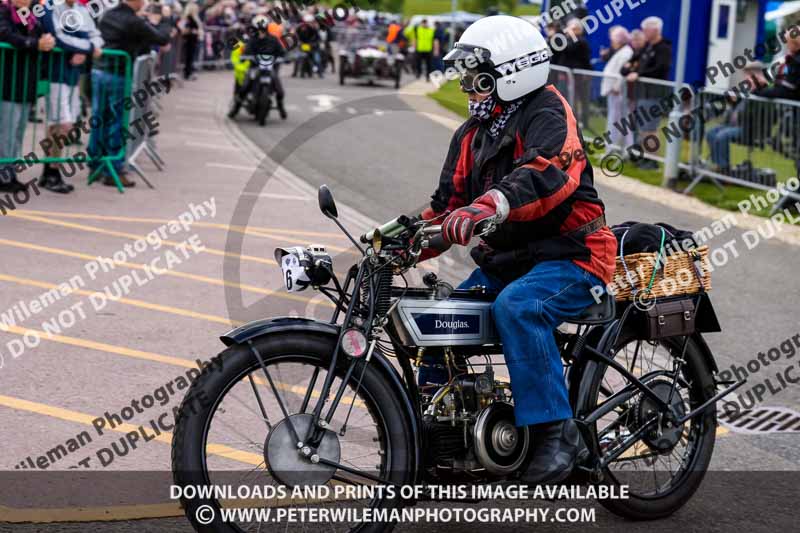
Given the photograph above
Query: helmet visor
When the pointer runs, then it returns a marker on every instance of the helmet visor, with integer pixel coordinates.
(467, 56)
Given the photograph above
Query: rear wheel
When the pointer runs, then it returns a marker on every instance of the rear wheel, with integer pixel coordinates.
(666, 466)
(236, 434)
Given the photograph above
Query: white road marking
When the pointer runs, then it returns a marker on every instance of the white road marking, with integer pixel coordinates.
(211, 146)
(277, 196)
(202, 131)
(325, 102)
(227, 166)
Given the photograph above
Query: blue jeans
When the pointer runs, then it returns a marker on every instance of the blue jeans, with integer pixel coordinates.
(526, 313)
(108, 106)
(719, 141)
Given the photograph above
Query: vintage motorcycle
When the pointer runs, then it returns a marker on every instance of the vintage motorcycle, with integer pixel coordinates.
(258, 101)
(309, 403)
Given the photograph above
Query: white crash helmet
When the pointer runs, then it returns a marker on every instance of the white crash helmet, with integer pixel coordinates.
(502, 54)
(260, 22)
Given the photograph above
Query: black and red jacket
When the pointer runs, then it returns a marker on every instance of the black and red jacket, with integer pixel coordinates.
(537, 162)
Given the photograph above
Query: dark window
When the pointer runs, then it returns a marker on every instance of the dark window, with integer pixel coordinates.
(722, 25)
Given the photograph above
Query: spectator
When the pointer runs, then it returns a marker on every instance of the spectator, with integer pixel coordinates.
(439, 46)
(80, 45)
(424, 36)
(787, 82)
(578, 55)
(612, 86)
(28, 37)
(552, 30)
(638, 43)
(122, 29)
(654, 61)
(733, 125)
(578, 52)
(192, 34)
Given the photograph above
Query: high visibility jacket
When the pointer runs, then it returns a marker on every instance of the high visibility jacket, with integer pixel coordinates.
(409, 33)
(425, 39)
(240, 67)
(394, 31)
(276, 30)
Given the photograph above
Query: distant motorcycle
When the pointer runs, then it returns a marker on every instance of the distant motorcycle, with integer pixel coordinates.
(307, 65)
(258, 101)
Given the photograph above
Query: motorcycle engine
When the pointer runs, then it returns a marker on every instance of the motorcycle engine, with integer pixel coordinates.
(469, 428)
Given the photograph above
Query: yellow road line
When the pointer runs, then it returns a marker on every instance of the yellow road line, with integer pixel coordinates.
(90, 514)
(155, 357)
(173, 273)
(239, 229)
(134, 236)
(68, 415)
(126, 301)
(103, 347)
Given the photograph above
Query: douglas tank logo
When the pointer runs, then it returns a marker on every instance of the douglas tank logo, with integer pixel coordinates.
(451, 324)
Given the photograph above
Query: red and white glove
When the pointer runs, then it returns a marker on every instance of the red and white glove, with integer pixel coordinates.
(459, 226)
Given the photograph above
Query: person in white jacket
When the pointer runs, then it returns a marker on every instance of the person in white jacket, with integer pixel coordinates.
(614, 84)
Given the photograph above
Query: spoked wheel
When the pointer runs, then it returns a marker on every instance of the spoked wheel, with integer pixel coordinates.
(232, 433)
(667, 464)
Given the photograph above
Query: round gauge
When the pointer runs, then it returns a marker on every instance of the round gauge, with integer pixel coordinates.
(354, 343)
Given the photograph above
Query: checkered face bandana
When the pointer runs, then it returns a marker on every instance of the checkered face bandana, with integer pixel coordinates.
(500, 122)
(482, 110)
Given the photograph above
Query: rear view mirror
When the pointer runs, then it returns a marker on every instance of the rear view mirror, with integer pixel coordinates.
(326, 202)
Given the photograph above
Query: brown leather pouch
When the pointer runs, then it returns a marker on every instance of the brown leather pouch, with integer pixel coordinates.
(670, 319)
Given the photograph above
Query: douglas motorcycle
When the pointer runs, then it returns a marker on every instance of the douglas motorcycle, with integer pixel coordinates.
(297, 402)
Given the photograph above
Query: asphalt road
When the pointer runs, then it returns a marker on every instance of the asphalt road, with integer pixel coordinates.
(381, 154)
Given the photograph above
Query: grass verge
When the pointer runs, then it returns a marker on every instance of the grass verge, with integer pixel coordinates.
(434, 7)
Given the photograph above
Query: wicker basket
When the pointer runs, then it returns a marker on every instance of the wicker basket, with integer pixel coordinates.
(677, 276)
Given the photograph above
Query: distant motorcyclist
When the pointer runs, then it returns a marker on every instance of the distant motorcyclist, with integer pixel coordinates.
(519, 160)
(261, 44)
(311, 43)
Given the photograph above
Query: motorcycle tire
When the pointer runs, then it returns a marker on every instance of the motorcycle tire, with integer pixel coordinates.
(234, 365)
(264, 105)
(699, 376)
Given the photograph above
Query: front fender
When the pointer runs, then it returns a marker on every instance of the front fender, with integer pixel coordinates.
(271, 326)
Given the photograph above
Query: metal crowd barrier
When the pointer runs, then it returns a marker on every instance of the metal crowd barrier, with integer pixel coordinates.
(562, 79)
(214, 52)
(144, 76)
(170, 61)
(28, 77)
(763, 152)
(752, 142)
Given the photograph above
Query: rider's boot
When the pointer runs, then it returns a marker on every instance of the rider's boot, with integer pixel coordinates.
(281, 109)
(237, 105)
(559, 447)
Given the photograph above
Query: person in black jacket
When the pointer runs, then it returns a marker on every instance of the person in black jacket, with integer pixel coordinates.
(122, 29)
(578, 55)
(19, 84)
(262, 44)
(655, 61)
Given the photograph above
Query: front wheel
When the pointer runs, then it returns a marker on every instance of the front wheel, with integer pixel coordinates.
(231, 432)
(666, 466)
(263, 105)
